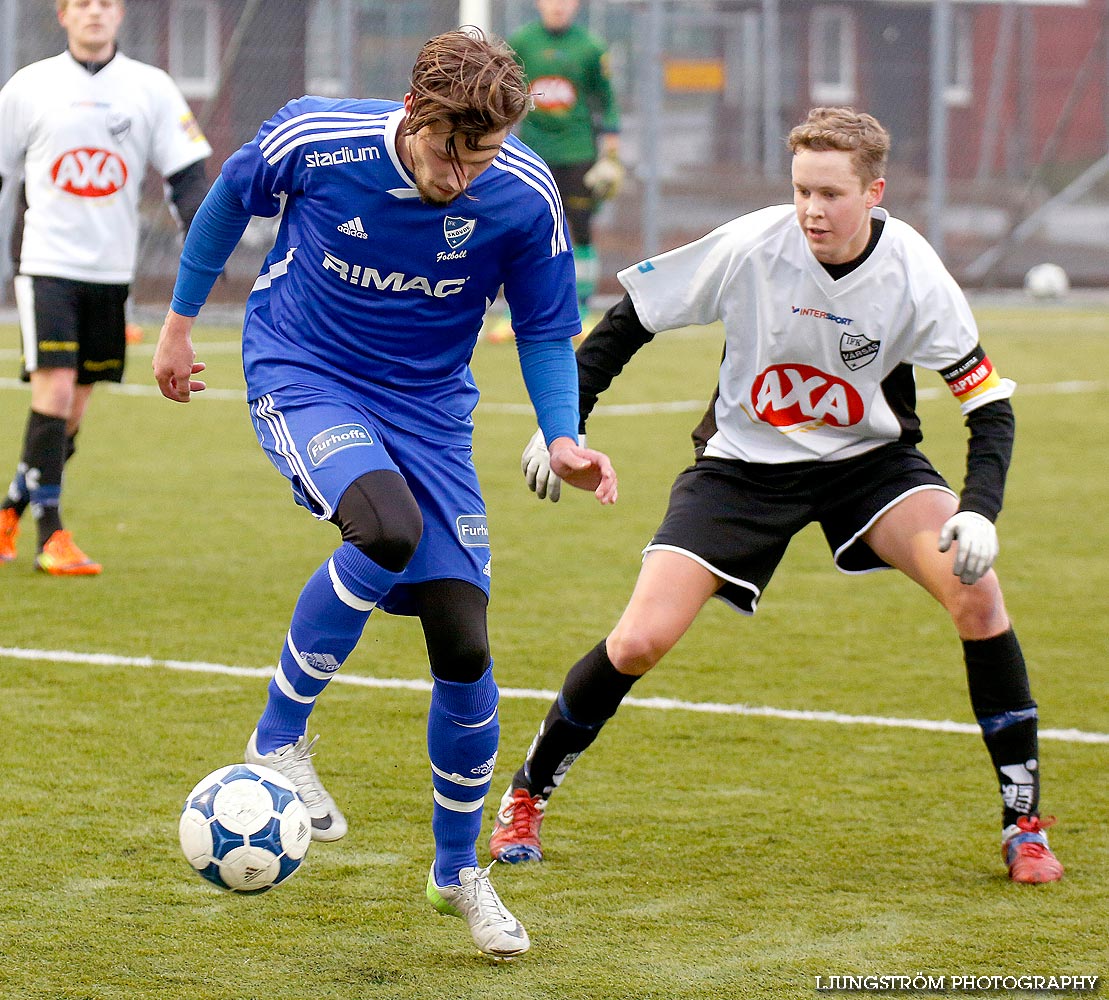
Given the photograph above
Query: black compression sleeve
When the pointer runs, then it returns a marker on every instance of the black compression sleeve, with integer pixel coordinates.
(606, 350)
(187, 189)
(992, 428)
(16, 244)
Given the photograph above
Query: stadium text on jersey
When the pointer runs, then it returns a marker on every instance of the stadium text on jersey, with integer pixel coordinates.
(344, 154)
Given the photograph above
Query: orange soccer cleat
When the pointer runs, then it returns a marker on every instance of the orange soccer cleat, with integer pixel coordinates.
(9, 532)
(61, 557)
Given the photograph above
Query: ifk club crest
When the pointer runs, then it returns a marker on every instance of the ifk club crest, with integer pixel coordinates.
(858, 351)
(457, 230)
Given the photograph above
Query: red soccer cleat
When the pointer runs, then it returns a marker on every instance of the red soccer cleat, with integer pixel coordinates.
(1025, 851)
(516, 829)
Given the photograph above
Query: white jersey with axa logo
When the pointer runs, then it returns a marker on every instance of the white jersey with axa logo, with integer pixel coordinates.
(808, 360)
(82, 142)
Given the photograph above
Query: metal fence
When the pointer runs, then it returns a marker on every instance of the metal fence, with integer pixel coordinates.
(999, 111)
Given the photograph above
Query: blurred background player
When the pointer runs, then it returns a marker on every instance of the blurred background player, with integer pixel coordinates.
(395, 217)
(78, 130)
(827, 305)
(574, 126)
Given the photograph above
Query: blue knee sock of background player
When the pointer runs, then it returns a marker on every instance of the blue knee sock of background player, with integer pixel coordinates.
(327, 623)
(463, 730)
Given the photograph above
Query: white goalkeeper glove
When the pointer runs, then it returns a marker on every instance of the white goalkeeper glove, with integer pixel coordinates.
(977, 544)
(535, 463)
(605, 178)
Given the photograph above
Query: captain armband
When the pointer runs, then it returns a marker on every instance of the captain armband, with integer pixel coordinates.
(973, 381)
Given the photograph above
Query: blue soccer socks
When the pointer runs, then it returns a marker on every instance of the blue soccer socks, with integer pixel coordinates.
(463, 730)
(328, 620)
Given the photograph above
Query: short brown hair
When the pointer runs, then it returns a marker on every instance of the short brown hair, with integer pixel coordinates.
(62, 4)
(849, 131)
(469, 82)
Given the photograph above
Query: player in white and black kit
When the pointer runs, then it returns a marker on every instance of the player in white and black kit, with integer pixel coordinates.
(78, 130)
(827, 305)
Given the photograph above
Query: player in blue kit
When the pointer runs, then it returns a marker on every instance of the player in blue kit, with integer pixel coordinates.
(399, 224)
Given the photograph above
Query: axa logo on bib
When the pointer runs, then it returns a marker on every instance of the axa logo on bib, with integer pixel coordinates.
(553, 93)
(788, 395)
(89, 173)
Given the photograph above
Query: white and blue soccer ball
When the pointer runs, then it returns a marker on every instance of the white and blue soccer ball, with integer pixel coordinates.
(1046, 281)
(245, 828)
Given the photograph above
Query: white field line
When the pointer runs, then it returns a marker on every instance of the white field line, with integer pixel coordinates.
(136, 389)
(146, 350)
(532, 694)
(1069, 388)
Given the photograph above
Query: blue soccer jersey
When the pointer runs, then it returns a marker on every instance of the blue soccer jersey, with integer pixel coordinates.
(368, 286)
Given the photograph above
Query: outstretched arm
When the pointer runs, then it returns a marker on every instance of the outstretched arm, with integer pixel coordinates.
(613, 342)
(215, 231)
(551, 378)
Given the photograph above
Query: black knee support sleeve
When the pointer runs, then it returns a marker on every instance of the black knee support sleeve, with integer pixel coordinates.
(379, 516)
(453, 616)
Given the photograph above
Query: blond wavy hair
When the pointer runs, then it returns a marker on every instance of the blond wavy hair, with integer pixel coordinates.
(848, 131)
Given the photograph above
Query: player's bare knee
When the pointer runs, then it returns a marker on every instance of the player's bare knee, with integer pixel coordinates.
(977, 610)
(634, 651)
(379, 516)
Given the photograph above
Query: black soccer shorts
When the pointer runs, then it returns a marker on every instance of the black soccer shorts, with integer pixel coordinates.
(737, 518)
(72, 324)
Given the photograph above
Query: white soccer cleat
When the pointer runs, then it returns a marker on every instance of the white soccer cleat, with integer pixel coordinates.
(495, 931)
(294, 760)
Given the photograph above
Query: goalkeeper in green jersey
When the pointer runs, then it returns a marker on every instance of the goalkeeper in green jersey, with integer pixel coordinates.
(575, 124)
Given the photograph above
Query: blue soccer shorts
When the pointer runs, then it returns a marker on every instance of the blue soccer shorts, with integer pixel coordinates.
(322, 441)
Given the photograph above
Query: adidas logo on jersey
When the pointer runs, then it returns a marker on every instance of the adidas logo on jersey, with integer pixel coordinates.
(353, 227)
